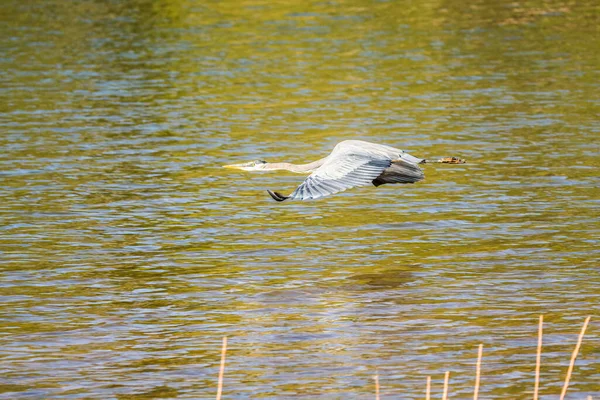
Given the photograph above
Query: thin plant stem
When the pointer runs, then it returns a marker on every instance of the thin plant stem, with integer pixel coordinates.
(222, 369)
(446, 378)
(376, 377)
(478, 372)
(428, 389)
(538, 359)
(573, 357)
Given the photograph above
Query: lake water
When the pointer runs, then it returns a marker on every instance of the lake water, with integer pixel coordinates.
(127, 252)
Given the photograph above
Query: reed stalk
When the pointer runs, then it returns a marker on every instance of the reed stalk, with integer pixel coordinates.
(538, 359)
(478, 372)
(428, 389)
(376, 377)
(446, 378)
(222, 368)
(573, 357)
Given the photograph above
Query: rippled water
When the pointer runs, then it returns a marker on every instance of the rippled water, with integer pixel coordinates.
(127, 252)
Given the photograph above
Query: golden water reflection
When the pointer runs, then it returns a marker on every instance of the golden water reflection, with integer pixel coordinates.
(127, 252)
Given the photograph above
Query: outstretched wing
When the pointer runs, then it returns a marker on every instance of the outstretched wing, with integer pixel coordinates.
(341, 171)
(357, 163)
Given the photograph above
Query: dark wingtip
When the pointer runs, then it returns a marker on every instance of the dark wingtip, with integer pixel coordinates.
(276, 196)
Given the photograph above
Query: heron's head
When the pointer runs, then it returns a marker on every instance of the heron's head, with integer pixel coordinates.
(257, 165)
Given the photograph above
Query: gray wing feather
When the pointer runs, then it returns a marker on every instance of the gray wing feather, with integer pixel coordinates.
(358, 163)
(339, 172)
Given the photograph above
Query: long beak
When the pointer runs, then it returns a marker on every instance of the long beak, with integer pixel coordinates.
(234, 166)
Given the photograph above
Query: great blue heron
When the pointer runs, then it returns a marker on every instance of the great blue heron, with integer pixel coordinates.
(351, 163)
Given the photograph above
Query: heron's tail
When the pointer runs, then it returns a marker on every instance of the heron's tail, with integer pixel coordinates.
(277, 196)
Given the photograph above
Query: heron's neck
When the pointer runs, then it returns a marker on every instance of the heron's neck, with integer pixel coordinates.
(297, 168)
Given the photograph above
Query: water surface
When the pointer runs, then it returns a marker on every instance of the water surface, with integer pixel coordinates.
(127, 252)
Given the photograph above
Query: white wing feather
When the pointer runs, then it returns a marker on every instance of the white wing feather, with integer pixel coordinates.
(351, 163)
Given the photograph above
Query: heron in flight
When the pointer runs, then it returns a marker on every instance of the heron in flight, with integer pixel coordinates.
(351, 163)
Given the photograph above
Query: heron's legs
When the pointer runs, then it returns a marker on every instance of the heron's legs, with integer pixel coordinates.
(446, 160)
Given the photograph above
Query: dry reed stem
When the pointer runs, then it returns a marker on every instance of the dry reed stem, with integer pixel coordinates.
(222, 369)
(428, 389)
(478, 372)
(446, 378)
(573, 357)
(376, 377)
(538, 359)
